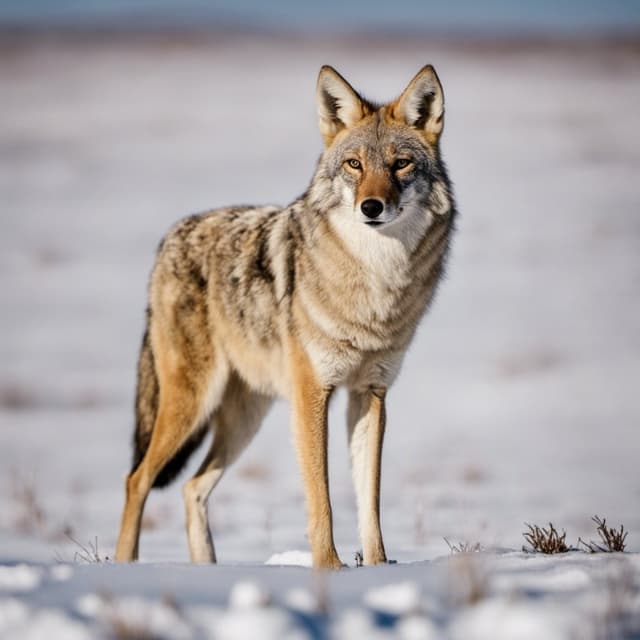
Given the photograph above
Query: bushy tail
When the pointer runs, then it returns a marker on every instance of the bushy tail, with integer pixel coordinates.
(147, 395)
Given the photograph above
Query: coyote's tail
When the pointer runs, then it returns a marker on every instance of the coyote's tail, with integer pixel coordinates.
(147, 394)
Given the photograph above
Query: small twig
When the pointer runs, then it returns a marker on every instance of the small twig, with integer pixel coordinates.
(463, 547)
(89, 553)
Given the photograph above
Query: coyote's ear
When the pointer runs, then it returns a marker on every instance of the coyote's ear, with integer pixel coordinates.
(422, 104)
(339, 105)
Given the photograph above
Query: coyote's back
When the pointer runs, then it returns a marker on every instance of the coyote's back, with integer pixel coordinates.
(249, 303)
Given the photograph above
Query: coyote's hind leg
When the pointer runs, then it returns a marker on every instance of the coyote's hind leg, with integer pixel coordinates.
(235, 423)
(177, 419)
(185, 398)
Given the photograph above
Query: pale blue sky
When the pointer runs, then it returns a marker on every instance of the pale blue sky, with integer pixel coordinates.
(333, 15)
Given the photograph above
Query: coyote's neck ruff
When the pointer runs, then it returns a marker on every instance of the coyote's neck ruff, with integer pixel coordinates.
(246, 303)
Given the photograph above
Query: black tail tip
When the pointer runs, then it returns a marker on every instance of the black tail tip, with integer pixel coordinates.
(175, 465)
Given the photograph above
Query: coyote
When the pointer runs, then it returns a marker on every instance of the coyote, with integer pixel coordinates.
(249, 303)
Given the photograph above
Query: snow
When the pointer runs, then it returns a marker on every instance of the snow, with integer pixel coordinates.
(19, 578)
(600, 595)
(248, 595)
(61, 572)
(394, 599)
(294, 557)
(511, 620)
(257, 623)
(13, 612)
(301, 600)
(517, 401)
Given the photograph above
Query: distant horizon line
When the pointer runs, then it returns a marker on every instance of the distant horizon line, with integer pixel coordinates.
(627, 34)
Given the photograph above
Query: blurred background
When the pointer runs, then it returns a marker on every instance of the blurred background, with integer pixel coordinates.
(518, 401)
(451, 18)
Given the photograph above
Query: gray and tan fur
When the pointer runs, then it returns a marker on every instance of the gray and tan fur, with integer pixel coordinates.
(249, 303)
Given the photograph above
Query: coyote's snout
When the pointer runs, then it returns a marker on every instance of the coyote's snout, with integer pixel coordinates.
(249, 303)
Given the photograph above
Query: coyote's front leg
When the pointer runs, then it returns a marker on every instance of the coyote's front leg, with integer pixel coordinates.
(366, 422)
(309, 406)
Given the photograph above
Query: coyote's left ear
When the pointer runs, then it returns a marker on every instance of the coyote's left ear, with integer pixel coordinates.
(422, 104)
(339, 106)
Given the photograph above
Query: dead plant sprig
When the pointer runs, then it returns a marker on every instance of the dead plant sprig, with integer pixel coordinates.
(463, 547)
(88, 553)
(543, 540)
(613, 540)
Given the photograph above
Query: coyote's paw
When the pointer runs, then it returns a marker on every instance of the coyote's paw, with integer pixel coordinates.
(328, 562)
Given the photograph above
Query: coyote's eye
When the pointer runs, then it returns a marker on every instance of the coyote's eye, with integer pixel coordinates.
(401, 163)
(354, 164)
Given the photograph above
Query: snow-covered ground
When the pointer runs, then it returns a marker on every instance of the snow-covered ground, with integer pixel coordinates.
(518, 401)
(466, 597)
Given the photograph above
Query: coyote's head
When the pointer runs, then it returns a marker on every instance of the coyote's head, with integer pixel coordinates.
(381, 164)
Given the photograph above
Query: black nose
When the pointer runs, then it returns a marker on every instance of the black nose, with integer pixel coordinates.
(372, 208)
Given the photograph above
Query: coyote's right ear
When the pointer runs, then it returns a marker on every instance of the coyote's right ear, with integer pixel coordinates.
(339, 106)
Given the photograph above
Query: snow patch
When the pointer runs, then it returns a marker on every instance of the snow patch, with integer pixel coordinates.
(560, 579)
(301, 600)
(417, 628)
(48, 623)
(61, 572)
(89, 605)
(12, 612)
(396, 599)
(291, 558)
(135, 617)
(506, 619)
(20, 577)
(266, 623)
(356, 623)
(248, 595)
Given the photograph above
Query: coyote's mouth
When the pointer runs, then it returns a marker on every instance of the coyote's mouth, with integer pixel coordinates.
(374, 223)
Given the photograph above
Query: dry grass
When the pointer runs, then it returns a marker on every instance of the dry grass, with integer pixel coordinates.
(549, 540)
(31, 517)
(468, 580)
(613, 540)
(473, 474)
(16, 397)
(463, 547)
(89, 553)
(122, 625)
(543, 540)
(123, 629)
